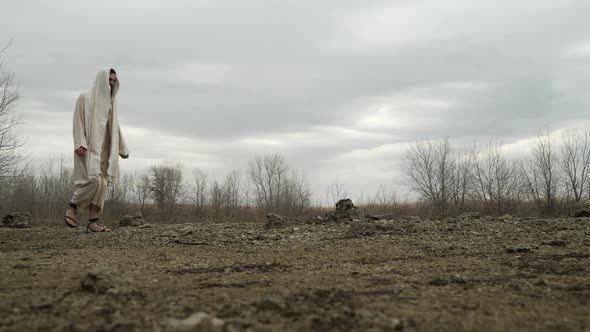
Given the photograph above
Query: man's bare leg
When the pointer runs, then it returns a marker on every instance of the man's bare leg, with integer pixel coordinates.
(93, 213)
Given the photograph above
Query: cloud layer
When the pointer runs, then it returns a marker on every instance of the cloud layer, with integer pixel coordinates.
(340, 88)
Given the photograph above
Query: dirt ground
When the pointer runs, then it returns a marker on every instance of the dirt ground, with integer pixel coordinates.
(407, 274)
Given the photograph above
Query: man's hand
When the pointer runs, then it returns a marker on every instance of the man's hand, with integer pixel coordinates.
(81, 151)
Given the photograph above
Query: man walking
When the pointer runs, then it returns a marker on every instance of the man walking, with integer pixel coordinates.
(98, 143)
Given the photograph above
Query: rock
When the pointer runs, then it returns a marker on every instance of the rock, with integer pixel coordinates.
(345, 205)
(345, 211)
(197, 322)
(520, 248)
(104, 282)
(135, 220)
(271, 303)
(443, 281)
(397, 324)
(364, 313)
(361, 229)
(413, 218)
(273, 220)
(17, 220)
(506, 217)
(557, 243)
(187, 230)
(379, 216)
(169, 233)
(581, 209)
(469, 216)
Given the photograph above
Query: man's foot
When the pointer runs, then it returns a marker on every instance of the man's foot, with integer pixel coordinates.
(70, 217)
(94, 227)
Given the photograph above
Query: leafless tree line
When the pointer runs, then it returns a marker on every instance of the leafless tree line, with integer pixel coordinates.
(270, 185)
(10, 138)
(552, 175)
(277, 188)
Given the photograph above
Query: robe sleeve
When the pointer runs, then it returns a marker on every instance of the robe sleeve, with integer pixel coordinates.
(123, 151)
(79, 131)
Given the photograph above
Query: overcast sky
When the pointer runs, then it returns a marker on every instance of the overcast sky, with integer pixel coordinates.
(340, 88)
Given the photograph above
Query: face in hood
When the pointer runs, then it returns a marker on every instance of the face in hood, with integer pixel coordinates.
(107, 83)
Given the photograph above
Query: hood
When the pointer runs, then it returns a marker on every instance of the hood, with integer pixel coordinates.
(101, 87)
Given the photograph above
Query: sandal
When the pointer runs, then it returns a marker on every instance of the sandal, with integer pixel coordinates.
(94, 221)
(66, 217)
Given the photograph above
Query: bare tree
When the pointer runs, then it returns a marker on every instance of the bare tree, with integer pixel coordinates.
(543, 172)
(295, 194)
(429, 168)
(575, 161)
(300, 196)
(384, 197)
(337, 191)
(234, 193)
(118, 195)
(10, 140)
(268, 175)
(495, 176)
(166, 184)
(216, 197)
(24, 193)
(276, 187)
(199, 190)
(141, 188)
(55, 183)
(40, 191)
(460, 180)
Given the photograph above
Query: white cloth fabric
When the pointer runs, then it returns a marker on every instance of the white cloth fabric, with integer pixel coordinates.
(96, 128)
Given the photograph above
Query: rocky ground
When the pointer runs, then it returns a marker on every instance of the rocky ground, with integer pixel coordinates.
(463, 274)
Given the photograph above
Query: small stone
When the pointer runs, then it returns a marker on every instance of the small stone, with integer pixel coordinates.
(197, 322)
(469, 216)
(458, 279)
(273, 219)
(169, 233)
(364, 313)
(379, 216)
(187, 230)
(440, 281)
(361, 229)
(104, 282)
(413, 218)
(135, 220)
(520, 248)
(397, 324)
(443, 281)
(557, 243)
(271, 303)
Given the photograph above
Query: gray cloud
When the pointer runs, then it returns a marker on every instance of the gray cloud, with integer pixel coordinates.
(320, 82)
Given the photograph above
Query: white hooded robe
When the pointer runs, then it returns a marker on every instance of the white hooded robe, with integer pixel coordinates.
(96, 128)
